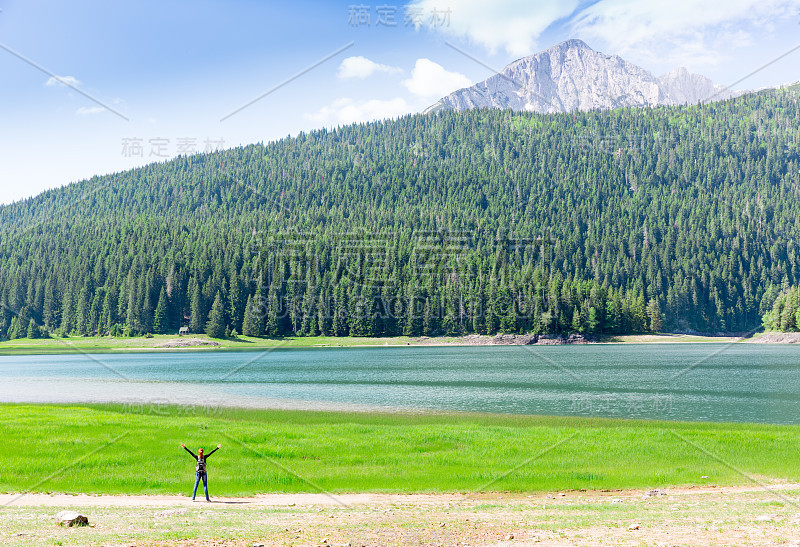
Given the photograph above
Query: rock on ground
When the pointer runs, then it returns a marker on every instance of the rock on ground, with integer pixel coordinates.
(71, 518)
(188, 343)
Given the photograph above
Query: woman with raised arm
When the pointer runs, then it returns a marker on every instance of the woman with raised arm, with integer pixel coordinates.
(200, 470)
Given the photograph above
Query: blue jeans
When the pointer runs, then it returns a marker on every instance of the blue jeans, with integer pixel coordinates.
(197, 477)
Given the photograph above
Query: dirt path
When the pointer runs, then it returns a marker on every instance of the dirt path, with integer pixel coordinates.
(740, 515)
(265, 500)
(777, 490)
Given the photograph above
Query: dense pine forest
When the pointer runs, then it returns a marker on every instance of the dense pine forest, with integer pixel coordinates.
(671, 218)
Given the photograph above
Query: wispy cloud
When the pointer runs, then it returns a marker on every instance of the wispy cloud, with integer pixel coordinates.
(679, 32)
(361, 67)
(87, 110)
(682, 31)
(346, 110)
(428, 81)
(512, 25)
(62, 80)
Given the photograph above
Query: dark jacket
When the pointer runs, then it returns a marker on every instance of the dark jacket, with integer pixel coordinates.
(201, 460)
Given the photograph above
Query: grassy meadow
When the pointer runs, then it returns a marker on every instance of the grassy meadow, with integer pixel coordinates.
(100, 344)
(114, 449)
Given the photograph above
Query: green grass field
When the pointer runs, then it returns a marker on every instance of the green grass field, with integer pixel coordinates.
(93, 344)
(70, 449)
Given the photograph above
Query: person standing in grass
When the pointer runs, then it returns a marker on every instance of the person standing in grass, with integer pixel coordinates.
(200, 470)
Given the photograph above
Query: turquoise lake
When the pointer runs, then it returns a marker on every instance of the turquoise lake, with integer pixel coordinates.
(706, 382)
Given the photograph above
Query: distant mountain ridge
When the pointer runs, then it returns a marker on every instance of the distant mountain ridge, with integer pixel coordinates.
(572, 76)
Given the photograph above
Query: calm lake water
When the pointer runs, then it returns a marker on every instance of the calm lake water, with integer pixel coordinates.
(710, 382)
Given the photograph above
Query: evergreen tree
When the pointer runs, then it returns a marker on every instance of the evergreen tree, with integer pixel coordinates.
(160, 322)
(427, 319)
(654, 314)
(274, 312)
(477, 313)
(324, 314)
(414, 309)
(196, 310)
(49, 306)
(252, 319)
(507, 312)
(592, 321)
(577, 325)
(33, 330)
(340, 323)
(215, 327)
(14, 330)
(236, 301)
(361, 321)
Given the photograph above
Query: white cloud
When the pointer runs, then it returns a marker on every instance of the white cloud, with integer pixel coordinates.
(62, 80)
(87, 110)
(431, 81)
(513, 25)
(663, 32)
(345, 111)
(428, 81)
(679, 31)
(361, 67)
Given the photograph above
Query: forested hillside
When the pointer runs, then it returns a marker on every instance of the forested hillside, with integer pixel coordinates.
(480, 221)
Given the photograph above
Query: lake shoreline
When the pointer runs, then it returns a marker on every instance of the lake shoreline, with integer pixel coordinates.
(173, 343)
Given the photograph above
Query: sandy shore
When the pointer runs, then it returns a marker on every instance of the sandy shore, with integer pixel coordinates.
(323, 499)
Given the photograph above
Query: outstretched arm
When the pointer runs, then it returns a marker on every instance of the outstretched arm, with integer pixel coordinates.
(217, 448)
(189, 451)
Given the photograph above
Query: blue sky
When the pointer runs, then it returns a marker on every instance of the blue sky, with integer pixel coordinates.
(173, 70)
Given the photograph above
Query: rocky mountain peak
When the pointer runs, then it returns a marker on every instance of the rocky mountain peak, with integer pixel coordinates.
(572, 76)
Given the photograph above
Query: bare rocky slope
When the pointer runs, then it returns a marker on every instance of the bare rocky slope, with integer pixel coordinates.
(572, 76)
